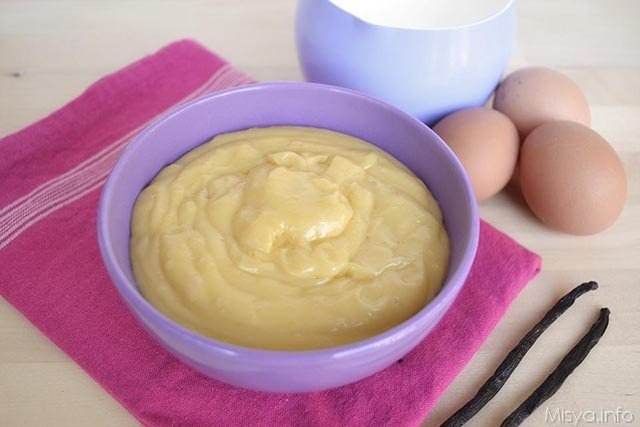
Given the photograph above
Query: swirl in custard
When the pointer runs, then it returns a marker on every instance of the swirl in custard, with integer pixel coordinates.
(288, 238)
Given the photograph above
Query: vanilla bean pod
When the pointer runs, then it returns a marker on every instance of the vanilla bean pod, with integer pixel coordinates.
(554, 381)
(491, 387)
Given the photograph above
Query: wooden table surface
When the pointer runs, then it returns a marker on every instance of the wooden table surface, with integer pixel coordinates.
(51, 50)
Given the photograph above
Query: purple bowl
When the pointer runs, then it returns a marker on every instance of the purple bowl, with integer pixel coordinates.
(427, 72)
(301, 104)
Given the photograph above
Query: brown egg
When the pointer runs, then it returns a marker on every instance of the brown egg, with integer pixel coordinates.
(486, 142)
(532, 96)
(571, 178)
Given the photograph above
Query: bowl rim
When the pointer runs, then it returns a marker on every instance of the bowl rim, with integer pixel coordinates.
(509, 4)
(134, 298)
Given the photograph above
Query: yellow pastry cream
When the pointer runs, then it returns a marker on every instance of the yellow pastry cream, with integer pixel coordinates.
(288, 238)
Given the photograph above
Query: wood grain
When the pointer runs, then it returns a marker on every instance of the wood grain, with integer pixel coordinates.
(51, 50)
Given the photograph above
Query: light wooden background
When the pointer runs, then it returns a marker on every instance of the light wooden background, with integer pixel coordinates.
(51, 50)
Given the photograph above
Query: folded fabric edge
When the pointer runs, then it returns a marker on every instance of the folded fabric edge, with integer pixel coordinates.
(181, 45)
(104, 112)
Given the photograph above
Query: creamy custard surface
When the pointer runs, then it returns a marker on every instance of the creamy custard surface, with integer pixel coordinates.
(288, 238)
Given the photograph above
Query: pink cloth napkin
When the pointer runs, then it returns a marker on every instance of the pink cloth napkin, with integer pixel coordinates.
(51, 174)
